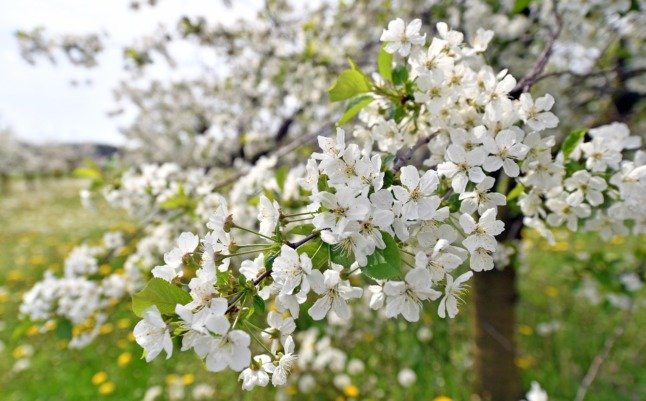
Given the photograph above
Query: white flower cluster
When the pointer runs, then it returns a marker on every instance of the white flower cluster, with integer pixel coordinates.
(366, 207)
(363, 203)
(83, 295)
(597, 187)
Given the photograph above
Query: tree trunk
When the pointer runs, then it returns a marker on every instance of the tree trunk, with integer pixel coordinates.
(4, 184)
(497, 377)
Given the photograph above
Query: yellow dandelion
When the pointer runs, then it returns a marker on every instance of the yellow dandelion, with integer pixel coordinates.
(106, 328)
(617, 240)
(14, 275)
(123, 323)
(442, 398)
(131, 337)
(32, 331)
(351, 391)
(551, 291)
(50, 325)
(524, 362)
(525, 330)
(188, 379)
(106, 388)
(171, 378)
(291, 390)
(99, 377)
(105, 269)
(560, 246)
(37, 260)
(124, 359)
(21, 351)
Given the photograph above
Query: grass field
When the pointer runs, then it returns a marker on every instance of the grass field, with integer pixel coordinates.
(40, 224)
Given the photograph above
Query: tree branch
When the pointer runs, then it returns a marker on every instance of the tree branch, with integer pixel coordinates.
(280, 153)
(532, 76)
(405, 155)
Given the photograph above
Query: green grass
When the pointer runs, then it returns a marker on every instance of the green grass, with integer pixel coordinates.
(40, 225)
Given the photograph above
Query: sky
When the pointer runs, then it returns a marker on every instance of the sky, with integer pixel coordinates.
(39, 103)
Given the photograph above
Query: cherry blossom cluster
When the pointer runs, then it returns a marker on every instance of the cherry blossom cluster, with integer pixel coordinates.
(85, 293)
(597, 189)
(365, 214)
(353, 216)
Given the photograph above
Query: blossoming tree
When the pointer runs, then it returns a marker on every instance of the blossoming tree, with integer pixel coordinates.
(450, 158)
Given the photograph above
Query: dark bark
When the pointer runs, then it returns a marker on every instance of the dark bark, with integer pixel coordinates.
(496, 373)
(5, 185)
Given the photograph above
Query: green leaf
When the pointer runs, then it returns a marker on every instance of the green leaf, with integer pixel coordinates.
(88, 172)
(385, 64)
(384, 263)
(338, 256)
(269, 261)
(399, 113)
(519, 6)
(354, 107)
(318, 251)
(322, 184)
(389, 178)
(63, 329)
(400, 75)
(571, 142)
(258, 304)
(164, 295)
(305, 229)
(349, 84)
(516, 192)
(454, 203)
(177, 201)
(281, 175)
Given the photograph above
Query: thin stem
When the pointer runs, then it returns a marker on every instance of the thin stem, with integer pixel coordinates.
(246, 253)
(238, 315)
(297, 220)
(258, 340)
(233, 301)
(354, 270)
(299, 214)
(407, 264)
(252, 232)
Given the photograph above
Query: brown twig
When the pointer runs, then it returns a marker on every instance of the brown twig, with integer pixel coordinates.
(310, 237)
(267, 273)
(532, 76)
(281, 152)
(405, 155)
(630, 73)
